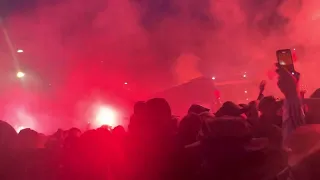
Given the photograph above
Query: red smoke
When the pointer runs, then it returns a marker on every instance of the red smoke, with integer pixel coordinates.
(83, 46)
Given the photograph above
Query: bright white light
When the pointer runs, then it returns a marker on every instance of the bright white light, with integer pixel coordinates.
(125, 83)
(213, 78)
(20, 74)
(244, 75)
(19, 51)
(18, 129)
(106, 116)
(246, 92)
(26, 118)
(292, 73)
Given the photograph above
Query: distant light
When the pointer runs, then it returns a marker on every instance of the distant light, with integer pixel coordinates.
(247, 99)
(244, 75)
(19, 51)
(213, 78)
(246, 92)
(106, 116)
(292, 73)
(125, 83)
(20, 74)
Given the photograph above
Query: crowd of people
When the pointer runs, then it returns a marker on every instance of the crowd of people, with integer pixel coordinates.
(266, 139)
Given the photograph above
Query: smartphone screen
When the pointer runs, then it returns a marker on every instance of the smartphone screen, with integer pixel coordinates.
(285, 59)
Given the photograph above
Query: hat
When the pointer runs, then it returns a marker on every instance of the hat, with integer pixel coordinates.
(230, 109)
(197, 109)
(206, 116)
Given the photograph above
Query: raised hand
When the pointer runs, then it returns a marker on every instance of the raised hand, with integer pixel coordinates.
(262, 85)
(303, 91)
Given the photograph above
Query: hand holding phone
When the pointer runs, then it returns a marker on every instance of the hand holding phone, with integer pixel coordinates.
(285, 60)
(287, 83)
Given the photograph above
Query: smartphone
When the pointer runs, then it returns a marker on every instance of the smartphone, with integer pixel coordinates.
(285, 59)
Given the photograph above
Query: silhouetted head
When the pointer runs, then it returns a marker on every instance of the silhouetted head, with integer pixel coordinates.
(8, 136)
(119, 131)
(140, 107)
(159, 108)
(230, 109)
(197, 109)
(28, 138)
(269, 105)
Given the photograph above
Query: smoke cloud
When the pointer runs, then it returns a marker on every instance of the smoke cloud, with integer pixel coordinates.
(142, 40)
(78, 46)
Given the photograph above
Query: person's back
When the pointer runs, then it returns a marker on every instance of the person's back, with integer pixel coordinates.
(89, 160)
(228, 159)
(189, 129)
(8, 142)
(230, 151)
(152, 153)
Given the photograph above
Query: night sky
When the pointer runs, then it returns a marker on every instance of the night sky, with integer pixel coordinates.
(71, 42)
(80, 52)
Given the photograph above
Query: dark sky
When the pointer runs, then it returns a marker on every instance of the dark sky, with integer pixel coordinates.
(8, 7)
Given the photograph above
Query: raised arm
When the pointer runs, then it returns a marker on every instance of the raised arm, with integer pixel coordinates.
(293, 114)
(261, 88)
